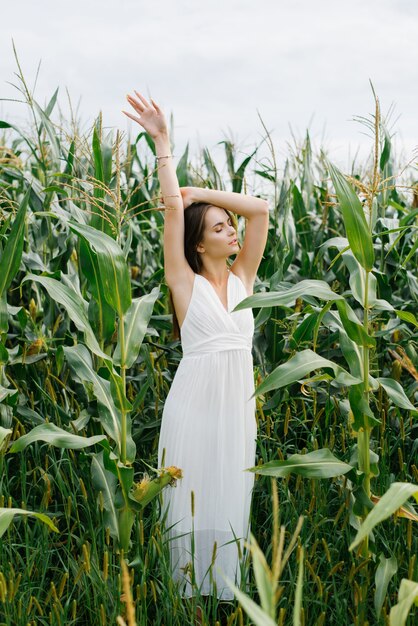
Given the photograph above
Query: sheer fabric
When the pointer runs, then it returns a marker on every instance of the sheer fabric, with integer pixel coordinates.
(209, 430)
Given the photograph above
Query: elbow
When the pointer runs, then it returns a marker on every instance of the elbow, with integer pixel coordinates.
(265, 206)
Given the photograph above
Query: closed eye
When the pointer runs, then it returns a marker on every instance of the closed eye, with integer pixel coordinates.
(229, 222)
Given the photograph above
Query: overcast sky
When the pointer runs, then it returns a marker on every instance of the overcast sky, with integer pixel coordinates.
(299, 63)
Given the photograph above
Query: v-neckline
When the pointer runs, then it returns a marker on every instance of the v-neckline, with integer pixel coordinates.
(214, 291)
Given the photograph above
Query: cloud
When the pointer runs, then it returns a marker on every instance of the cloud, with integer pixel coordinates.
(215, 65)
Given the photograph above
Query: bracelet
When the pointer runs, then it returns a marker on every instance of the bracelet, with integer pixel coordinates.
(164, 157)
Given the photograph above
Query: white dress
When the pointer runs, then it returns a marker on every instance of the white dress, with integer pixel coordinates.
(209, 430)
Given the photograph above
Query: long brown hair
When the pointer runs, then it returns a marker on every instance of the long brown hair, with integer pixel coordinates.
(194, 227)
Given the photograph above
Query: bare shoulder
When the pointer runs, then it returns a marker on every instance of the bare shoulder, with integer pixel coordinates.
(248, 281)
(181, 287)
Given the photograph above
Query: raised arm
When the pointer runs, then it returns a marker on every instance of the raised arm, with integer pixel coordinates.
(153, 120)
(255, 210)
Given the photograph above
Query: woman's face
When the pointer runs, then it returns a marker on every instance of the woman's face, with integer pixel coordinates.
(218, 234)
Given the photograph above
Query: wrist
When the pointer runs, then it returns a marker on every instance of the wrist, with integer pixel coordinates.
(197, 194)
(162, 139)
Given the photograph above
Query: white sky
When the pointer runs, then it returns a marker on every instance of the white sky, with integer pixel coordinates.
(300, 63)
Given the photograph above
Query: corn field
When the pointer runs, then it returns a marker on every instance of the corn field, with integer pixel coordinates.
(87, 358)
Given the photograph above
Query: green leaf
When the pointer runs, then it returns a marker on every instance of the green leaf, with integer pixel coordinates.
(126, 519)
(304, 331)
(385, 570)
(396, 393)
(410, 253)
(408, 594)
(52, 136)
(7, 515)
(407, 316)
(79, 360)
(113, 270)
(255, 612)
(317, 464)
(101, 314)
(302, 220)
(357, 280)
(353, 354)
(106, 482)
(374, 461)
(12, 253)
(388, 504)
(4, 433)
(76, 308)
(239, 174)
(263, 578)
(4, 321)
(360, 407)
(135, 326)
(356, 227)
(55, 436)
(8, 392)
(384, 157)
(298, 595)
(362, 503)
(287, 296)
(352, 326)
(299, 366)
(98, 163)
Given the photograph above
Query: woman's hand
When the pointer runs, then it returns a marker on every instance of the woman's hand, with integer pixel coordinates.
(152, 118)
(187, 193)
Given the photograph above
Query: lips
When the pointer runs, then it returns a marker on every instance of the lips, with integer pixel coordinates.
(232, 242)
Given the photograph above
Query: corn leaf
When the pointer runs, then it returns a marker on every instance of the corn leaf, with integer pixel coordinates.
(12, 253)
(135, 326)
(352, 326)
(396, 393)
(55, 436)
(113, 270)
(386, 569)
(299, 366)
(79, 360)
(7, 515)
(317, 464)
(357, 230)
(106, 482)
(297, 609)
(255, 612)
(76, 308)
(388, 504)
(408, 595)
(4, 433)
(99, 310)
(288, 295)
(263, 578)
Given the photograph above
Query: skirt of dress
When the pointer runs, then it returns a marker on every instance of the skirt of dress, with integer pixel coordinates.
(209, 430)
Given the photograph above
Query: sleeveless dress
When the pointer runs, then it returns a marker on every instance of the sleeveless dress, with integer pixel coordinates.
(209, 430)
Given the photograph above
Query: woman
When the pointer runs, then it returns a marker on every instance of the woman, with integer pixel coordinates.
(208, 425)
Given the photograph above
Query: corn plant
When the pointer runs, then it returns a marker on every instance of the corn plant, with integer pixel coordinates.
(98, 364)
(357, 343)
(91, 209)
(268, 578)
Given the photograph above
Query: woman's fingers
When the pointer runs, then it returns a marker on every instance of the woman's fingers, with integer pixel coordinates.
(136, 105)
(144, 102)
(157, 108)
(136, 119)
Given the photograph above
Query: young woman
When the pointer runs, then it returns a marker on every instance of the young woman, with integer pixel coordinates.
(208, 425)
